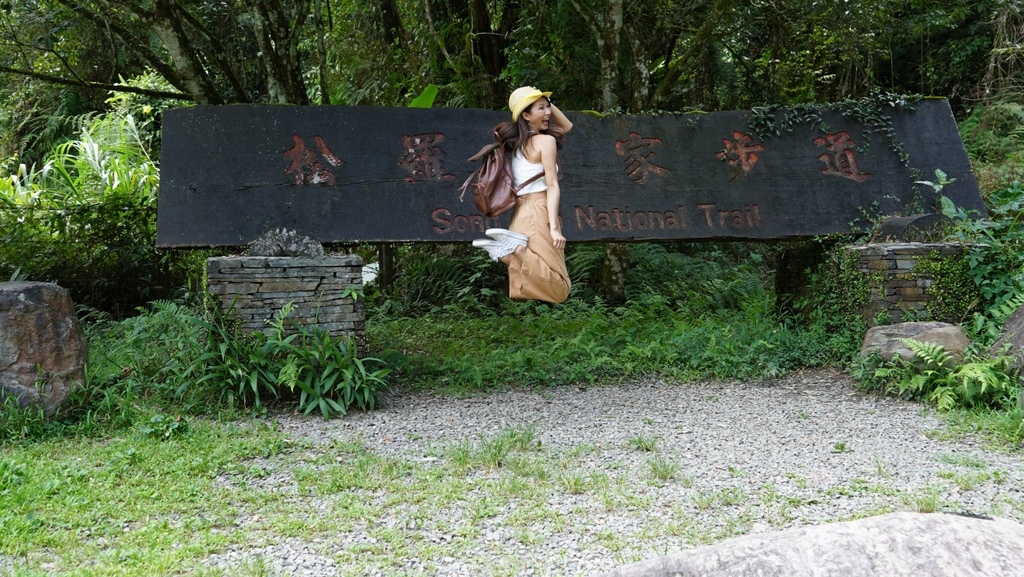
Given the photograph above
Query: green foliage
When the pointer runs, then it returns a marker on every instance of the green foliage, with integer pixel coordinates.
(243, 367)
(86, 220)
(934, 376)
(34, 118)
(149, 349)
(941, 181)
(250, 369)
(662, 468)
(643, 443)
(146, 110)
(838, 294)
(995, 247)
(954, 292)
(703, 314)
(162, 427)
(993, 133)
(426, 98)
(168, 491)
(17, 422)
(331, 376)
(994, 139)
(134, 372)
(430, 277)
(874, 113)
(152, 370)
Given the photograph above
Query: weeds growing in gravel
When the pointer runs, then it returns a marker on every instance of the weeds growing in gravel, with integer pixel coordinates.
(168, 505)
(573, 483)
(643, 443)
(662, 468)
(923, 501)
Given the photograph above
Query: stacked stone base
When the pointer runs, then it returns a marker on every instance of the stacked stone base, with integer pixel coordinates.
(256, 288)
(899, 287)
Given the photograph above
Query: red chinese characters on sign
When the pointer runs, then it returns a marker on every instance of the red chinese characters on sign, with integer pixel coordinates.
(841, 159)
(307, 166)
(637, 157)
(424, 159)
(741, 152)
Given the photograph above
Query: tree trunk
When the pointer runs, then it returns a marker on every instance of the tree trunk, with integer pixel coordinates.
(321, 47)
(613, 272)
(386, 267)
(640, 74)
(489, 46)
(277, 28)
(694, 46)
(607, 31)
(391, 23)
(187, 63)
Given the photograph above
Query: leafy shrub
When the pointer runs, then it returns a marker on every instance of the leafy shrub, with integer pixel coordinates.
(993, 133)
(935, 377)
(86, 219)
(534, 344)
(249, 369)
(170, 359)
(21, 423)
(330, 375)
(163, 427)
(995, 254)
(146, 352)
(692, 311)
(838, 293)
(432, 276)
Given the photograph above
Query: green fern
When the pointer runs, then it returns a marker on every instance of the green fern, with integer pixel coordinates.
(933, 355)
(944, 397)
(1002, 311)
(935, 377)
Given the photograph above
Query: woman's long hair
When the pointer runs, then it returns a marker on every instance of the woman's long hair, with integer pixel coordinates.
(516, 134)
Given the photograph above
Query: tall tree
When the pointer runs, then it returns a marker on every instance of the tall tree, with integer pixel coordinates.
(644, 49)
(205, 50)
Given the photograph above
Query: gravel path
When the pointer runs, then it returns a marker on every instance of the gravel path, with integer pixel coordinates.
(748, 458)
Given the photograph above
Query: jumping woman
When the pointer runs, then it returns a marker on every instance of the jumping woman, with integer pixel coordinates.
(533, 247)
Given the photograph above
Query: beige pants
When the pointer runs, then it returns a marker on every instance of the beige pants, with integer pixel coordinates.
(540, 273)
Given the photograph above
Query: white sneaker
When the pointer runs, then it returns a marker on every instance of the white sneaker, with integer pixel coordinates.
(495, 249)
(505, 235)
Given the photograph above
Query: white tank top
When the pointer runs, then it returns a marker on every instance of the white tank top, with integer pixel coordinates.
(523, 170)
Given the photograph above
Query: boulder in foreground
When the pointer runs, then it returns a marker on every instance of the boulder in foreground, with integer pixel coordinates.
(921, 545)
(43, 349)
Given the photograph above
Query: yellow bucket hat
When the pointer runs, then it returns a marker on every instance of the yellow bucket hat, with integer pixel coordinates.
(522, 98)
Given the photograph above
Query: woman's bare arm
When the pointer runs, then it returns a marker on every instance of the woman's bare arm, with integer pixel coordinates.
(559, 117)
(549, 158)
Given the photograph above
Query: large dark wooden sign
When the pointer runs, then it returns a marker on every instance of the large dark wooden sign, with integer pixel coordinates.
(338, 174)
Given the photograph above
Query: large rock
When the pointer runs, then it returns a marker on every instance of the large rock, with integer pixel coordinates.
(43, 350)
(1012, 341)
(884, 339)
(898, 544)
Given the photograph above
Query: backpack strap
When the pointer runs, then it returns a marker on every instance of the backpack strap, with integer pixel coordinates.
(530, 180)
(487, 149)
(484, 151)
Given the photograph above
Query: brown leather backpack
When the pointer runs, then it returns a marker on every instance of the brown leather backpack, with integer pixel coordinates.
(493, 192)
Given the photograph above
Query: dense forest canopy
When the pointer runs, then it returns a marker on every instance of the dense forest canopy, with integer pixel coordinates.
(63, 57)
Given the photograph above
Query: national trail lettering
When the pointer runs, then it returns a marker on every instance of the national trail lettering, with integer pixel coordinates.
(344, 174)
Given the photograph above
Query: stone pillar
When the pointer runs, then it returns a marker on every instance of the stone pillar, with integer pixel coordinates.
(901, 287)
(256, 288)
